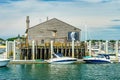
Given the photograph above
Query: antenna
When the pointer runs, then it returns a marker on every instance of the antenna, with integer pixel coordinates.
(40, 20)
(85, 32)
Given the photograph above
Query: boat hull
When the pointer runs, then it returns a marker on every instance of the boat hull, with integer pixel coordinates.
(62, 61)
(4, 62)
(100, 58)
(97, 61)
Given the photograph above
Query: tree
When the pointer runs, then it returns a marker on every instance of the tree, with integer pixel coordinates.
(2, 39)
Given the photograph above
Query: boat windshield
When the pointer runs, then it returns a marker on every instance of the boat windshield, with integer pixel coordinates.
(107, 57)
(54, 56)
(100, 56)
(59, 54)
(103, 56)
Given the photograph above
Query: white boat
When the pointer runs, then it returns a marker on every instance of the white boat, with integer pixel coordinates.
(101, 58)
(4, 62)
(59, 59)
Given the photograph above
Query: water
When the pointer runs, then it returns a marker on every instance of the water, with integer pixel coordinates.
(2, 50)
(60, 72)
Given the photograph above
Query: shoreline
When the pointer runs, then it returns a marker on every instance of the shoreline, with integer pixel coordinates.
(1, 46)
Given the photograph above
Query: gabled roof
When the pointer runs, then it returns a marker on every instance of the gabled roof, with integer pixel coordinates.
(54, 20)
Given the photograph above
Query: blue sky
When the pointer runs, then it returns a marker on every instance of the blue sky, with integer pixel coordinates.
(101, 17)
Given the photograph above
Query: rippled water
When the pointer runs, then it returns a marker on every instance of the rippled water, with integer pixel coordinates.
(60, 72)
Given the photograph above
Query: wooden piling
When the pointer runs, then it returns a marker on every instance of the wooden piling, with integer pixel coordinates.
(44, 51)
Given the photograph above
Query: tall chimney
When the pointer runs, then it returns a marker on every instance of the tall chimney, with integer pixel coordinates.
(27, 22)
(27, 27)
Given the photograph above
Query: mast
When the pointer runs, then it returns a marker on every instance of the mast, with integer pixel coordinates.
(86, 43)
(85, 32)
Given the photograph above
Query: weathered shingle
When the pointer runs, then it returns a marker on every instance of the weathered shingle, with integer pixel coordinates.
(43, 31)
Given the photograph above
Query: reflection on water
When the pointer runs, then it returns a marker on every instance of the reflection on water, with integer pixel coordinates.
(61, 72)
(101, 71)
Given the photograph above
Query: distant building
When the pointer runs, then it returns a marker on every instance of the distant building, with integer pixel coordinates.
(2, 42)
(54, 29)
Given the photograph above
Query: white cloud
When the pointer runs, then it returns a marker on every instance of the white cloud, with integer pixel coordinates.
(95, 1)
(75, 13)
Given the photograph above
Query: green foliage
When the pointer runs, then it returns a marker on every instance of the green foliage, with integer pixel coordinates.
(2, 39)
(96, 41)
(113, 41)
(14, 38)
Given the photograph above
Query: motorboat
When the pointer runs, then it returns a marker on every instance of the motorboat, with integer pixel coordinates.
(100, 58)
(4, 62)
(3, 59)
(57, 58)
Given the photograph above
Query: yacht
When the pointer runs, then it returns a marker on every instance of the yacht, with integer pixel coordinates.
(4, 62)
(59, 59)
(100, 58)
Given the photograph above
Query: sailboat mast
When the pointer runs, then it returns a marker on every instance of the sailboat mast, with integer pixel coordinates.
(85, 32)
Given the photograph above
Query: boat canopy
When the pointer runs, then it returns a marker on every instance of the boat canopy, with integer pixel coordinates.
(104, 55)
(59, 54)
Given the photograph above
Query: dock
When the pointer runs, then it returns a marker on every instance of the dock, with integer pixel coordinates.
(79, 61)
(27, 62)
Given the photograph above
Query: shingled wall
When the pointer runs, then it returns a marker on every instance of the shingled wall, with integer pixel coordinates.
(43, 31)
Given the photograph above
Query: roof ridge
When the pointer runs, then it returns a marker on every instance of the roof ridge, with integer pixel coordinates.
(53, 19)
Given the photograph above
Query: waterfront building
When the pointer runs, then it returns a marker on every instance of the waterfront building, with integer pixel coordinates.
(54, 29)
(38, 38)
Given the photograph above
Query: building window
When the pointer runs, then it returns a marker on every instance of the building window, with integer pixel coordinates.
(42, 41)
(76, 36)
